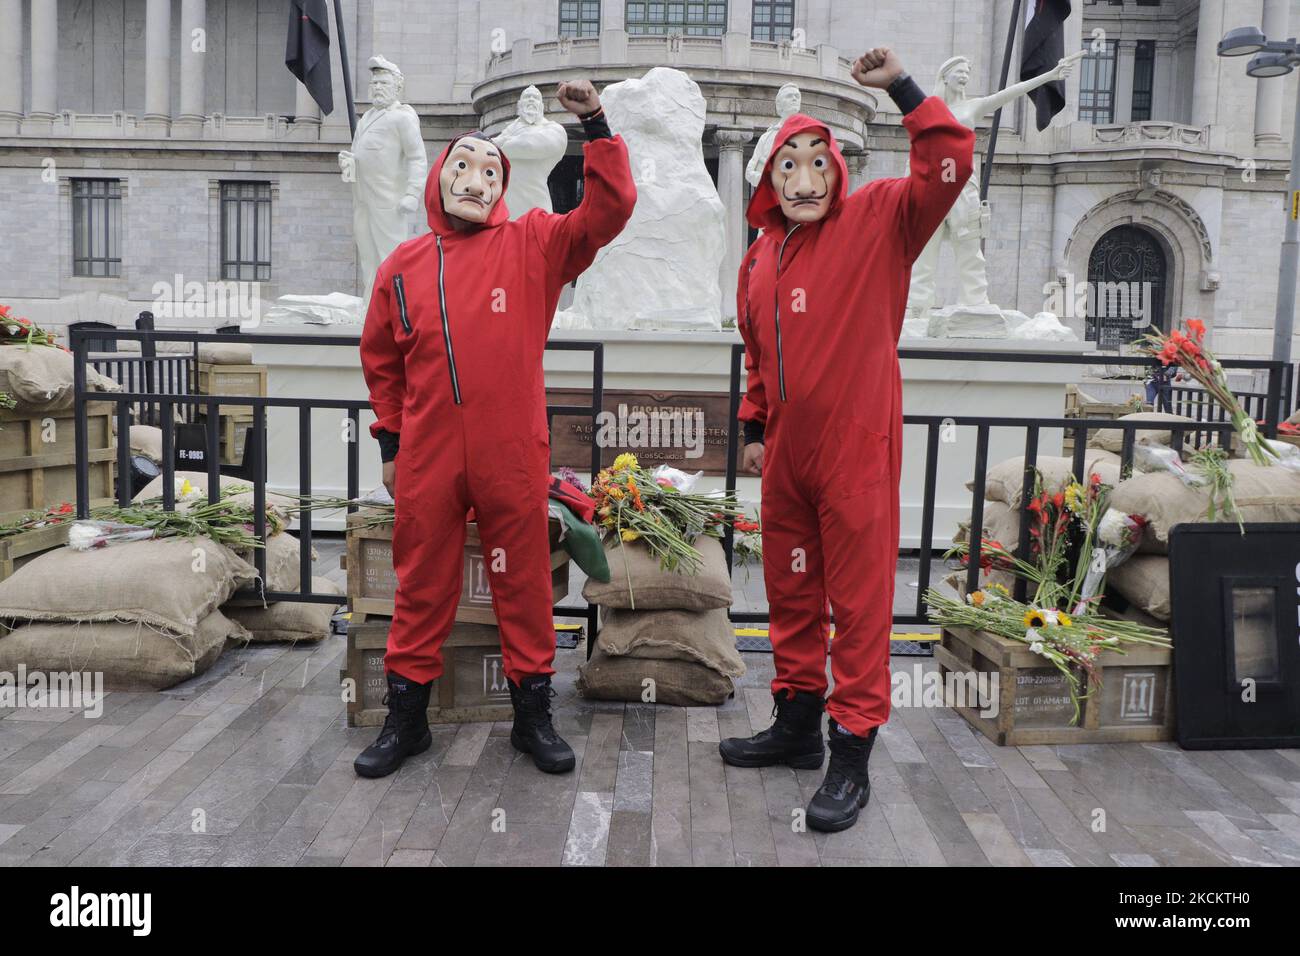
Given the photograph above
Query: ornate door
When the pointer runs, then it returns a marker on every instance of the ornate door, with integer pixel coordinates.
(1126, 286)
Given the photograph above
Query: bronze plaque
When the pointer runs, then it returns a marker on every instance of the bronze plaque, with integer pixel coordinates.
(660, 428)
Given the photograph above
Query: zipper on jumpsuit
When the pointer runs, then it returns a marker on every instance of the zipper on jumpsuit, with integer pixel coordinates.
(780, 358)
(399, 290)
(446, 328)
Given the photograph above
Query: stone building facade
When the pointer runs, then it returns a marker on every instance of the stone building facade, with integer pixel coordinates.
(144, 142)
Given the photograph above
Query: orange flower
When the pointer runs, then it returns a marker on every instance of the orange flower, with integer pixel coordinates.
(1197, 328)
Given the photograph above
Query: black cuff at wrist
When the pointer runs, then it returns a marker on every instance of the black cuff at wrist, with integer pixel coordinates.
(906, 93)
(388, 444)
(595, 125)
(754, 432)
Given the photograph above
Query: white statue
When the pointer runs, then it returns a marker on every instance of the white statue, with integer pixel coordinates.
(387, 167)
(967, 221)
(661, 272)
(533, 144)
(788, 101)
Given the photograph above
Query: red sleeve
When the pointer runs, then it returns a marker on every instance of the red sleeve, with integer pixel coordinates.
(753, 406)
(941, 161)
(382, 362)
(571, 240)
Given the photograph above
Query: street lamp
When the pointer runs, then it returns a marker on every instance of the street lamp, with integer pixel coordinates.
(1277, 58)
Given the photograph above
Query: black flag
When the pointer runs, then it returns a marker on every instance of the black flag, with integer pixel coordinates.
(308, 52)
(1044, 47)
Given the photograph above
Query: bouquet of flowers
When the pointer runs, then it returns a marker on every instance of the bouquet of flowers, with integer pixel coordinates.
(1187, 350)
(658, 508)
(15, 330)
(1075, 537)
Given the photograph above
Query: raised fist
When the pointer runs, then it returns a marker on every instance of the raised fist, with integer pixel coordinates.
(578, 97)
(877, 68)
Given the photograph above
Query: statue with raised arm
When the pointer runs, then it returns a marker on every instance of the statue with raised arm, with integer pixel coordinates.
(788, 102)
(534, 144)
(967, 223)
(387, 167)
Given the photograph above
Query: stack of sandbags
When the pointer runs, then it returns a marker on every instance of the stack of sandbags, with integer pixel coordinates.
(1112, 439)
(145, 614)
(40, 378)
(284, 621)
(665, 636)
(1262, 493)
(225, 353)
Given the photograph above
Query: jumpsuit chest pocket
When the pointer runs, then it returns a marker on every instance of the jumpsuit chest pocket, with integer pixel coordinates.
(864, 460)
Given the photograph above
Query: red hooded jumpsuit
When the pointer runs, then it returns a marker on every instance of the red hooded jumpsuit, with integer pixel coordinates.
(821, 307)
(452, 354)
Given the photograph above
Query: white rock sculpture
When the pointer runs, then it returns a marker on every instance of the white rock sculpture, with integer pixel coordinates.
(337, 308)
(967, 222)
(662, 270)
(387, 167)
(533, 144)
(788, 101)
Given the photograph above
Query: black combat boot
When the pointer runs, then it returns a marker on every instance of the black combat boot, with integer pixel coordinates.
(794, 739)
(846, 788)
(533, 732)
(405, 731)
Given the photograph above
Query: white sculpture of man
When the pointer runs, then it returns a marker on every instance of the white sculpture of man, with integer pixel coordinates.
(788, 101)
(534, 144)
(387, 167)
(965, 224)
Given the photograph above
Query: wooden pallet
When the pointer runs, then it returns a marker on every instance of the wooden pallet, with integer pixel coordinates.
(1030, 700)
(472, 687)
(231, 380)
(372, 582)
(38, 455)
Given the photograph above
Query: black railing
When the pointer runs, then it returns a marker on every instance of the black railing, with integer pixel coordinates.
(255, 456)
(1274, 399)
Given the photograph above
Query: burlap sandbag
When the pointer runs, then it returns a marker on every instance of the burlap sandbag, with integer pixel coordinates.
(1267, 493)
(703, 636)
(1112, 439)
(223, 353)
(169, 583)
(283, 567)
(632, 567)
(40, 378)
(1001, 524)
(1144, 581)
(132, 657)
(681, 683)
(1005, 480)
(146, 440)
(289, 621)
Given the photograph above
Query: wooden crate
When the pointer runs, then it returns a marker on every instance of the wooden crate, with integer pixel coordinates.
(17, 549)
(471, 688)
(1107, 410)
(231, 380)
(1134, 702)
(232, 436)
(38, 455)
(372, 582)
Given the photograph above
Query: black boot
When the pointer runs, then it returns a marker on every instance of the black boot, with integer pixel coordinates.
(846, 788)
(533, 732)
(794, 739)
(405, 731)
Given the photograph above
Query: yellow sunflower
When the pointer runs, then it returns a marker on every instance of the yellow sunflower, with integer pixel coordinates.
(1035, 618)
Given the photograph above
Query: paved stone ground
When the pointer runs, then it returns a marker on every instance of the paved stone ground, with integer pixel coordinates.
(257, 751)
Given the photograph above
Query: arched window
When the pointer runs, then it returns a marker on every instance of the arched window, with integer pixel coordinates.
(1127, 272)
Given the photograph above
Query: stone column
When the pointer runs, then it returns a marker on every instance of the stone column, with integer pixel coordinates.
(1268, 93)
(45, 69)
(1163, 103)
(306, 115)
(1205, 86)
(193, 95)
(731, 188)
(1125, 64)
(157, 67)
(11, 66)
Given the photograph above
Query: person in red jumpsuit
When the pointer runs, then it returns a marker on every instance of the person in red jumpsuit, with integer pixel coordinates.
(452, 354)
(821, 298)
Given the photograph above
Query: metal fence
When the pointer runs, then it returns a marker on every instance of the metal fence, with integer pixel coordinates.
(1276, 397)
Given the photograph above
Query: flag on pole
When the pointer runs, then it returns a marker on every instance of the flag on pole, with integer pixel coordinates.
(308, 53)
(1043, 48)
